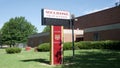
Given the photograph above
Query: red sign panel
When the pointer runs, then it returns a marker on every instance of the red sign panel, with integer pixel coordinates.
(56, 45)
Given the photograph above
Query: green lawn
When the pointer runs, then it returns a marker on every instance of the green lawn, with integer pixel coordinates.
(93, 59)
(26, 59)
(83, 59)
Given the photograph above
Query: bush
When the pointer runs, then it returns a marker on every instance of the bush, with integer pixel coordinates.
(43, 47)
(98, 45)
(67, 46)
(114, 45)
(84, 45)
(13, 50)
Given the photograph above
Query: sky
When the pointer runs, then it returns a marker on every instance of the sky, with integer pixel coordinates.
(31, 9)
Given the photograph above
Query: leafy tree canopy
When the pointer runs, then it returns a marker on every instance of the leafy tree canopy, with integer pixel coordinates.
(46, 29)
(17, 30)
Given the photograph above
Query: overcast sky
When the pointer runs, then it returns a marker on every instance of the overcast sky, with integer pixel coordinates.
(31, 9)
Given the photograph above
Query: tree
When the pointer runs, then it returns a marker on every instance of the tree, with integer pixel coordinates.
(17, 30)
(0, 38)
(46, 29)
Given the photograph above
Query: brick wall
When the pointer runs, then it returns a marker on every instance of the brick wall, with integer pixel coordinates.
(103, 35)
(104, 17)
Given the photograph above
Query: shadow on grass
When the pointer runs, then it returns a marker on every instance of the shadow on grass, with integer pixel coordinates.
(36, 60)
(93, 59)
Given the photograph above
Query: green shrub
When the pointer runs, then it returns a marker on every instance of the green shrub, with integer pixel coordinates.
(98, 45)
(13, 50)
(84, 45)
(115, 45)
(67, 46)
(43, 47)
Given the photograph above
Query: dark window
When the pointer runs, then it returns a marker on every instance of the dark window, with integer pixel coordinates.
(96, 36)
(79, 39)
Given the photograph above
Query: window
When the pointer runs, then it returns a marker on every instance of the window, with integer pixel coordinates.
(96, 36)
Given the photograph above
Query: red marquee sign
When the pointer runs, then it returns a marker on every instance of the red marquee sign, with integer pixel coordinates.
(55, 17)
(56, 45)
(56, 14)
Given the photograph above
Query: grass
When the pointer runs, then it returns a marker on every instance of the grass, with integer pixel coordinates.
(26, 59)
(93, 58)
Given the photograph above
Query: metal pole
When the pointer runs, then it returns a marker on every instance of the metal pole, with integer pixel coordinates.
(73, 38)
(72, 22)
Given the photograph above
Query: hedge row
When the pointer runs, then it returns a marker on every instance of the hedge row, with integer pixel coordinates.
(98, 45)
(13, 50)
(115, 45)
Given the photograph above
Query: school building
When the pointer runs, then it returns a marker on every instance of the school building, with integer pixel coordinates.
(97, 26)
(102, 25)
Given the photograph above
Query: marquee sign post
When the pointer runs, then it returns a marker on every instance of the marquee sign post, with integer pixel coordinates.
(56, 44)
(56, 19)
